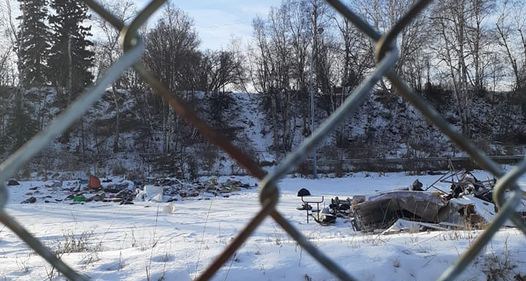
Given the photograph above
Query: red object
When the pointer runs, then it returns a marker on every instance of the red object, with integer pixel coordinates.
(94, 182)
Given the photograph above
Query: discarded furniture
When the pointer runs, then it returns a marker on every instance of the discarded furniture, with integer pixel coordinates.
(307, 200)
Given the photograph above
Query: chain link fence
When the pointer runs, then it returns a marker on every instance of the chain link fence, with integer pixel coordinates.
(386, 56)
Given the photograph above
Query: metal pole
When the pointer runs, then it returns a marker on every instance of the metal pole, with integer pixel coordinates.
(313, 83)
(314, 160)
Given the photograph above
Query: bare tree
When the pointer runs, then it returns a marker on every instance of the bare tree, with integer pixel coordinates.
(272, 71)
(9, 41)
(412, 41)
(220, 69)
(510, 28)
(108, 51)
(171, 46)
(5, 65)
(107, 45)
(353, 58)
(171, 53)
(479, 39)
(450, 20)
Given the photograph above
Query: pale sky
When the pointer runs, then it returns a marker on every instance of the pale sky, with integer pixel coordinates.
(218, 21)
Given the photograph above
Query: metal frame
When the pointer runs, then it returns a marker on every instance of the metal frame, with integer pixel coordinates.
(317, 210)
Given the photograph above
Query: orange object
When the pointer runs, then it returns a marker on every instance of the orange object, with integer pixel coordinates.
(94, 182)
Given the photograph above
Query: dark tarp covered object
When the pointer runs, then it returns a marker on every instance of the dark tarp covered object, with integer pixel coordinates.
(12, 183)
(303, 192)
(379, 212)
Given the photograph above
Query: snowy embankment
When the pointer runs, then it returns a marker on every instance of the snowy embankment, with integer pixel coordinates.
(143, 242)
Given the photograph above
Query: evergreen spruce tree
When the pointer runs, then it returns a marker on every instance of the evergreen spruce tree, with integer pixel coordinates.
(70, 59)
(21, 126)
(33, 43)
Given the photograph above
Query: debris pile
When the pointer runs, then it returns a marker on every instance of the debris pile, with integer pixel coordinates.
(468, 205)
(95, 190)
(381, 211)
(123, 191)
(337, 209)
(174, 189)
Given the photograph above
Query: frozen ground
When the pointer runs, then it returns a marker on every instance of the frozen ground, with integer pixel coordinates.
(144, 242)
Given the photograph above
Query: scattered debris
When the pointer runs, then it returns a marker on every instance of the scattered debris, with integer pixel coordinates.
(151, 193)
(53, 184)
(12, 183)
(98, 197)
(403, 225)
(416, 186)
(325, 217)
(468, 205)
(175, 189)
(79, 198)
(307, 200)
(29, 200)
(303, 192)
(170, 208)
(122, 191)
(94, 183)
(341, 208)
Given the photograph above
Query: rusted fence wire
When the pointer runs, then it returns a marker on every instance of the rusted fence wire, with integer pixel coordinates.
(386, 56)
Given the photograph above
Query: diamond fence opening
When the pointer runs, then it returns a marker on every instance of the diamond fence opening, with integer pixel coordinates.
(386, 56)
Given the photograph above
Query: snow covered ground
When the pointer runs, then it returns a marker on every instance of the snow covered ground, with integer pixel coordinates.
(108, 241)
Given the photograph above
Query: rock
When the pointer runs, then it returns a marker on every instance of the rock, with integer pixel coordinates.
(12, 183)
(53, 184)
(29, 200)
(33, 188)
